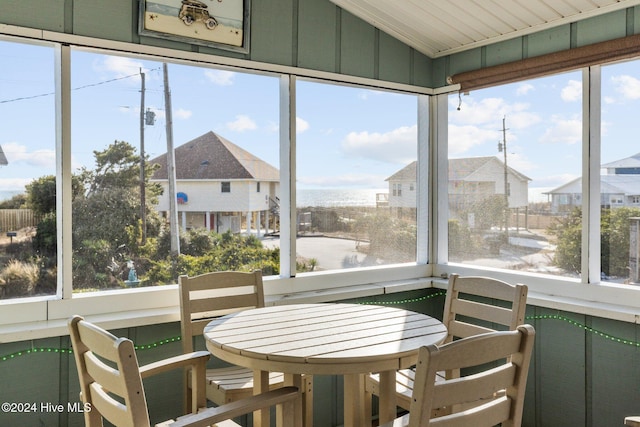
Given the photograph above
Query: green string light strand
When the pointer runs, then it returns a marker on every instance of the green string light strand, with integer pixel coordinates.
(70, 350)
(160, 343)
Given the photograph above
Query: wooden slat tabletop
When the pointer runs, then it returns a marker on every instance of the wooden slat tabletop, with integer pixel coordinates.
(323, 338)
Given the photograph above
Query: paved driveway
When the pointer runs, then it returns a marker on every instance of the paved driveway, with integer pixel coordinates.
(331, 254)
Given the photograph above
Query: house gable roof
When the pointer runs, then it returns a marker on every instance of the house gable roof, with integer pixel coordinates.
(629, 162)
(212, 157)
(459, 169)
(628, 185)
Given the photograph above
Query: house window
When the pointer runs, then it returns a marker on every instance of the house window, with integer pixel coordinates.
(225, 187)
(257, 187)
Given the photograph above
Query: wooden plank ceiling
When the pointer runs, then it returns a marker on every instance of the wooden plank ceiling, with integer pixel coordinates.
(442, 27)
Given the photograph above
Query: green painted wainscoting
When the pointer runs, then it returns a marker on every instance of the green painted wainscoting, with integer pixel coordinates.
(585, 370)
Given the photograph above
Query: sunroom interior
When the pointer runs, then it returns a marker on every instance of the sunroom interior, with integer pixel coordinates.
(412, 93)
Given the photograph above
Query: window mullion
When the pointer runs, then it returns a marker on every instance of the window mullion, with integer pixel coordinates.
(591, 267)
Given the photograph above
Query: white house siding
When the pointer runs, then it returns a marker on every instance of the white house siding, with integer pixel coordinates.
(207, 196)
(407, 197)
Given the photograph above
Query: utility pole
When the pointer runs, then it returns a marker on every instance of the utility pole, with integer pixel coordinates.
(171, 169)
(502, 146)
(143, 203)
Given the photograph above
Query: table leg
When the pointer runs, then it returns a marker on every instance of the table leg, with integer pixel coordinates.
(294, 380)
(387, 409)
(260, 385)
(354, 414)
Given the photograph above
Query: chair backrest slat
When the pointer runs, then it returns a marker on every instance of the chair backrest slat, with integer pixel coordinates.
(109, 376)
(511, 350)
(488, 303)
(214, 294)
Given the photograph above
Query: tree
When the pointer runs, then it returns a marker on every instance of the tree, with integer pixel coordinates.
(109, 209)
(614, 241)
(41, 195)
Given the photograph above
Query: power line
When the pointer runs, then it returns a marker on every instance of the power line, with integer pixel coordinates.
(78, 88)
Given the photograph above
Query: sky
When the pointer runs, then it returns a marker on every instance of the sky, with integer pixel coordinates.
(347, 137)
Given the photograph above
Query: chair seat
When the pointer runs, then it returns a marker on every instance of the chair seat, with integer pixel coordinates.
(235, 382)
(232, 383)
(405, 379)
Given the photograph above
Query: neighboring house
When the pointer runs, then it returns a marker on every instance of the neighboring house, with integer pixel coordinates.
(470, 180)
(218, 184)
(619, 186)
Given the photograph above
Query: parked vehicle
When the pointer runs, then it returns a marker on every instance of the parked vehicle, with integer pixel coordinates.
(195, 10)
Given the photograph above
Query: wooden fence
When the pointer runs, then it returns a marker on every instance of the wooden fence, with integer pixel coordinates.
(16, 219)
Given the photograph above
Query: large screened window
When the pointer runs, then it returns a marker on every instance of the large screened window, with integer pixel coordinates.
(28, 250)
(218, 124)
(515, 162)
(356, 180)
(620, 173)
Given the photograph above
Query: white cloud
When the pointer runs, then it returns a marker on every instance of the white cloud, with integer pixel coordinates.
(490, 111)
(524, 89)
(397, 146)
(463, 138)
(242, 123)
(181, 113)
(564, 131)
(627, 86)
(572, 91)
(301, 125)
(220, 77)
(17, 153)
(14, 184)
(122, 67)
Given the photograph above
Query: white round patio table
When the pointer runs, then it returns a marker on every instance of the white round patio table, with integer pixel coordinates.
(326, 339)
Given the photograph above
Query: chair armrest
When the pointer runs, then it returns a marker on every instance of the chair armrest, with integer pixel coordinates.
(632, 421)
(231, 410)
(195, 360)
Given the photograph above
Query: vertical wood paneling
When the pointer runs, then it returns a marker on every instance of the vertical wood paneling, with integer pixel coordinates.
(98, 18)
(549, 41)
(394, 60)
(606, 27)
(506, 51)
(615, 373)
(317, 41)
(46, 15)
(561, 371)
(357, 47)
(272, 31)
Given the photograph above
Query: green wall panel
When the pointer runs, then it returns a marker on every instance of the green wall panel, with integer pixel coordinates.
(46, 15)
(560, 371)
(422, 70)
(317, 35)
(548, 41)
(615, 373)
(506, 51)
(607, 27)
(465, 61)
(112, 20)
(357, 47)
(394, 60)
(272, 31)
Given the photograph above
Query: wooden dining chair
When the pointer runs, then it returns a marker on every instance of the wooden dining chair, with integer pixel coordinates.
(632, 421)
(509, 355)
(111, 384)
(209, 295)
(473, 305)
